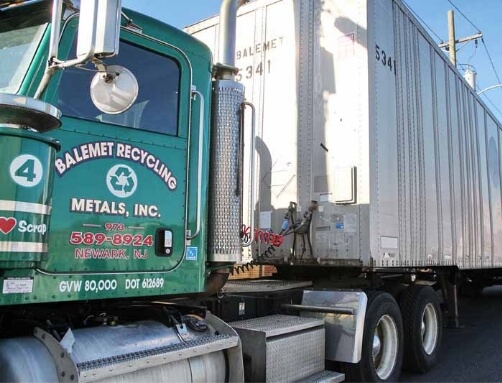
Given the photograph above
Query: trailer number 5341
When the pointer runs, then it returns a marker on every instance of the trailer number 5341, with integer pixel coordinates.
(385, 59)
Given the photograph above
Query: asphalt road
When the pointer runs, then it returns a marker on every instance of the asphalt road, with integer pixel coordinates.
(474, 352)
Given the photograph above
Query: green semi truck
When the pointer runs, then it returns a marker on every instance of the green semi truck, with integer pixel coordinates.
(112, 170)
(134, 177)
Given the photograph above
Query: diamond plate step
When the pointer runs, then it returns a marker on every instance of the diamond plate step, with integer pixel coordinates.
(279, 324)
(324, 377)
(109, 367)
(282, 348)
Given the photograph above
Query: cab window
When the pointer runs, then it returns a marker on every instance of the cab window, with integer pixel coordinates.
(155, 109)
(21, 30)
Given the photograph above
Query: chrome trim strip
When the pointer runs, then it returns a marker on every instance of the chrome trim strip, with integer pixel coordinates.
(25, 207)
(252, 171)
(199, 163)
(23, 247)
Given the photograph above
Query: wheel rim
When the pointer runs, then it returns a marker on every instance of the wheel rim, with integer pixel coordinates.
(385, 347)
(429, 329)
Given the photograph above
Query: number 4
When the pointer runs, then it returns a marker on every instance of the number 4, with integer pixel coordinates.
(27, 170)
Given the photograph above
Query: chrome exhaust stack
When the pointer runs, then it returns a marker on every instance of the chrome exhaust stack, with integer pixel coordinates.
(227, 37)
(225, 179)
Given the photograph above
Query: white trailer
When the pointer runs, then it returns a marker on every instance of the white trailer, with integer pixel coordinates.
(361, 112)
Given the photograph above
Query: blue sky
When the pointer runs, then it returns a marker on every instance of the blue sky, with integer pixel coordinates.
(484, 14)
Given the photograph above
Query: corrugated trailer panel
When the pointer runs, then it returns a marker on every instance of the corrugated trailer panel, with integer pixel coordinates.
(384, 108)
(442, 174)
(486, 224)
(360, 111)
(494, 181)
(447, 172)
(407, 77)
(414, 84)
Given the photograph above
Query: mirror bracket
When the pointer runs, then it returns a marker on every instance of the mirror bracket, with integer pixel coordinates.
(98, 35)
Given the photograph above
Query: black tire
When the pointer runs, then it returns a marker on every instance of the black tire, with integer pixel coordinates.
(422, 324)
(382, 310)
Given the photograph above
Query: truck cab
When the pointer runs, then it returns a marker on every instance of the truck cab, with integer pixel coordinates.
(125, 189)
(104, 199)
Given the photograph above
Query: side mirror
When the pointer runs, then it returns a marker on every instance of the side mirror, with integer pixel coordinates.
(98, 32)
(114, 89)
(98, 28)
(98, 35)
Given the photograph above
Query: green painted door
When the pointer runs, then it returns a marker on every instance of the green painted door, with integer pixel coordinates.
(119, 201)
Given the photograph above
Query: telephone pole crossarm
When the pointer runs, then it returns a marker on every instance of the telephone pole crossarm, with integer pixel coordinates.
(452, 41)
(478, 35)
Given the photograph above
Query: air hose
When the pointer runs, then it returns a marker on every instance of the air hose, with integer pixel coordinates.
(274, 240)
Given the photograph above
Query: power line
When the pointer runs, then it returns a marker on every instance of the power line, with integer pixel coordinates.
(462, 46)
(422, 21)
(487, 99)
(482, 40)
(465, 17)
(475, 50)
(491, 61)
(491, 102)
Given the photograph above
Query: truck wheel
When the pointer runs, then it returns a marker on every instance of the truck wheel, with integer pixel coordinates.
(381, 352)
(422, 327)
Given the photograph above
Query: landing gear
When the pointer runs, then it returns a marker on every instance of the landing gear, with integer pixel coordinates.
(449, 282)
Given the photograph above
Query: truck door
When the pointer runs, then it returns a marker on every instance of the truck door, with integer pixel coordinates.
(119, 201)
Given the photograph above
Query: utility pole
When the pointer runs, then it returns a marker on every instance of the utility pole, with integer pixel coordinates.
(451, 38)
(451, 45)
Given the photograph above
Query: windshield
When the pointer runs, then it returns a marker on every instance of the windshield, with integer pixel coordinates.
(21, 30)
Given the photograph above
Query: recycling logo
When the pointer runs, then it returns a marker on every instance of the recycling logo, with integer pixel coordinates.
(121, 181)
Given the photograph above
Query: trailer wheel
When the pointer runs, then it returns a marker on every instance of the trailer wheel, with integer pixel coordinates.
(381, 353)
(422, 328)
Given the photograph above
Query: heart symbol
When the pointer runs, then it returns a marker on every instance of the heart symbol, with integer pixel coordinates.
(7, 224)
